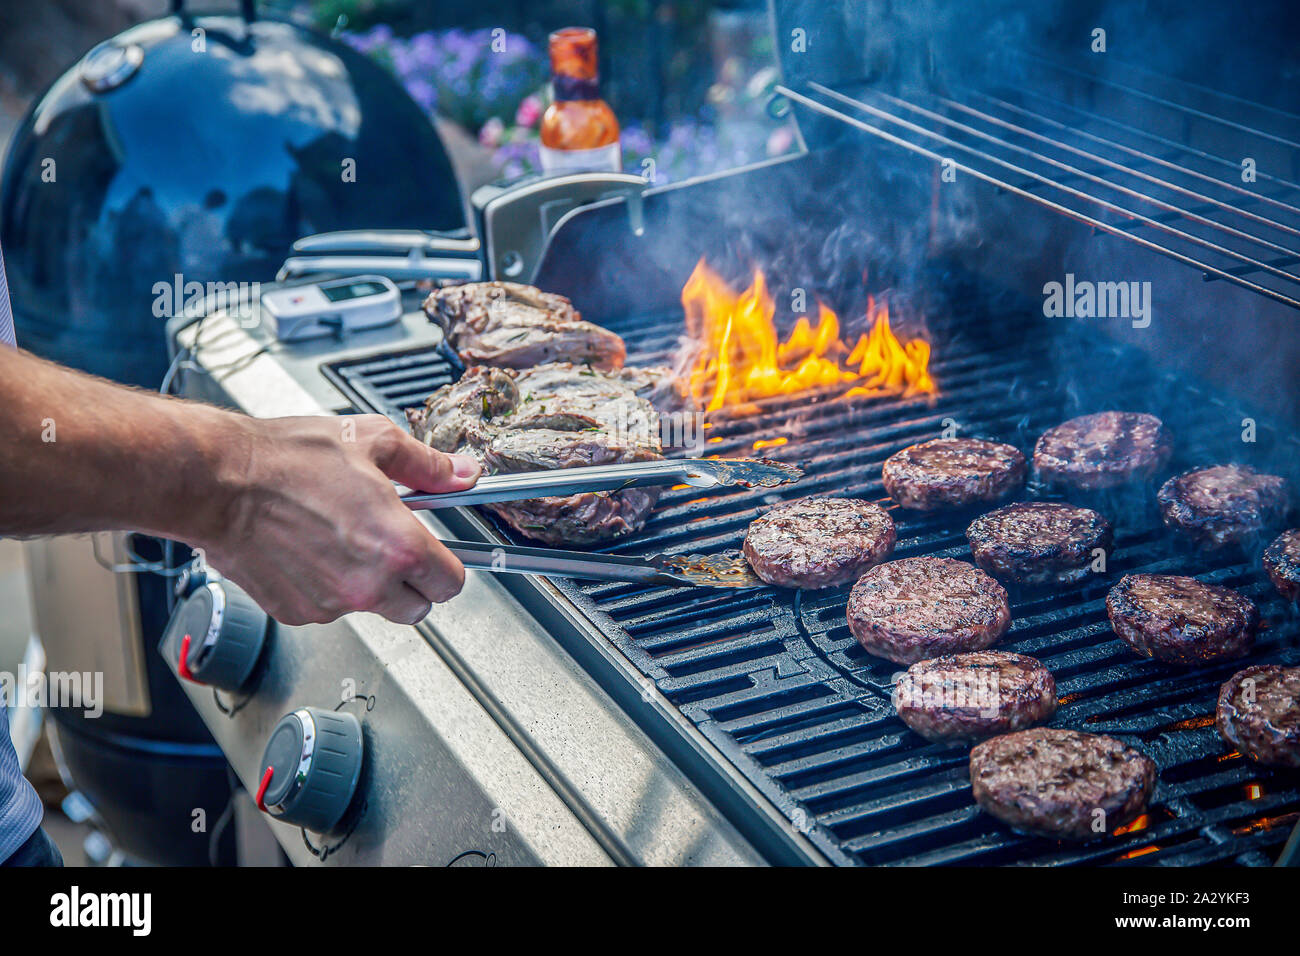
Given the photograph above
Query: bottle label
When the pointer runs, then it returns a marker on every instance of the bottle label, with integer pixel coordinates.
(601, 159)
(575, 87)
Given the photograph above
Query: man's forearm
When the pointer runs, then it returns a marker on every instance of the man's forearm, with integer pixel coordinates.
(83, 454)
(302, 512)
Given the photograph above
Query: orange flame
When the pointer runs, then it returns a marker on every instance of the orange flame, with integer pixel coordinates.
(740, 357)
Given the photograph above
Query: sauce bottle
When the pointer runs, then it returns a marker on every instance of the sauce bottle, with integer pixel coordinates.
(579, 130)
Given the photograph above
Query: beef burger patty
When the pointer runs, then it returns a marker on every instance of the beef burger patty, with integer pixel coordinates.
(818, 542)
(1223, 504)
(1038, 542)
(1103, 450)
(1282, 562)
(1259, 714)
(1054, 782)
(969, 696)
(1181, 620)
(952, 472)
(910, 610)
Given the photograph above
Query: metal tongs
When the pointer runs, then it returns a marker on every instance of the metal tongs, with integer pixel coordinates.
(711, 570)
(696, 472)
(707, 570)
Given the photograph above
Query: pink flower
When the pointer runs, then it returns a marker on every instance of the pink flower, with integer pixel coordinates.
(529, 112)
(490, 134)
(780, 141)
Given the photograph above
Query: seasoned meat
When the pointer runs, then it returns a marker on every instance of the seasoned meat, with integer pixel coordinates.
(539, 449)
(579, 519)
(818, 542)
(1038, 542)
(1104, 450)
(1282, 562)
(516, 326)
(660, 386)
(471, 304)
(554, 416)
(1223, 504)
(951, 472)
(1181, 620)
(917, 608)
(970, 696)
(459, 417)
(1259, 714)
(569, 397)
(1061, 783)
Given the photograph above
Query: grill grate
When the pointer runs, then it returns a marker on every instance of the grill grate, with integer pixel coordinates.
(1133, 182)
(776, 681)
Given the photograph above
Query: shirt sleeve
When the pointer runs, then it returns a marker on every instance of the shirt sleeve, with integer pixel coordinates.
(6, 313)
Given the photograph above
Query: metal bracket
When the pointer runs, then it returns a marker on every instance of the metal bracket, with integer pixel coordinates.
(518, 222)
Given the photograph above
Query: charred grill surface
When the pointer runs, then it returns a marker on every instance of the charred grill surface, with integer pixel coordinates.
(775, 680)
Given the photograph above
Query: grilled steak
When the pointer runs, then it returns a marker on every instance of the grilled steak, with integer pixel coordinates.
(951, 472)
(969, 696)
(917, 608)
(818, 542)
(1104, 450)
(1223, 504)
(1181, 620)
(458, 417)
(1259, 714)
(516, 326)
(1061, 783)
(1038, 542)
(554, 416)
(1282, 562)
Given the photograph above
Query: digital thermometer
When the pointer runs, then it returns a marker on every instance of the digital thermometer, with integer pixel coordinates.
(332, 307)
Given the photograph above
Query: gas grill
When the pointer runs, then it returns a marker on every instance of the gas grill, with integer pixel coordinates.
(775, 680)
(758, 712)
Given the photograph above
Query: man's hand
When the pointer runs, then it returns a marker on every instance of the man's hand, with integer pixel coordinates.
(312, 527)
(299, 511)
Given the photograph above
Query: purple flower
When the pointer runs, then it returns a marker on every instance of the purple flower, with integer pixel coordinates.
(458, 74)
(490, 134)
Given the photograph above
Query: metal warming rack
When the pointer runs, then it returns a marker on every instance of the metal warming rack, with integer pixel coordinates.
(1182, 197)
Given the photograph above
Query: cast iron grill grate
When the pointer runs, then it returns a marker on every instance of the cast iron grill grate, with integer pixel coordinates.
(776, 681)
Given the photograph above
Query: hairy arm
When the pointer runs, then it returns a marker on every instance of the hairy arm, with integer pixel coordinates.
(299, 511)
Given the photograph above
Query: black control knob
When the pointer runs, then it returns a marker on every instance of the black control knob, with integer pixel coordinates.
(310, 768)
(215, 635)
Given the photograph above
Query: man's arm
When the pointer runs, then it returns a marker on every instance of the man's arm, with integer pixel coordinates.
(301, 512)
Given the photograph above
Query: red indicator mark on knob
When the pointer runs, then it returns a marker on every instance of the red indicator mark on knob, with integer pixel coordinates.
(183, 665)
(261, 789)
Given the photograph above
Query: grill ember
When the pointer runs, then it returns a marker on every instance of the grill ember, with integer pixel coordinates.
(735, 355)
